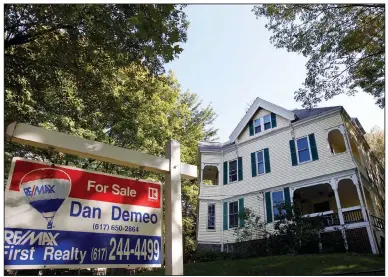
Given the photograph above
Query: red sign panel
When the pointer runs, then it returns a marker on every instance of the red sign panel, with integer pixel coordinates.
(91, 185)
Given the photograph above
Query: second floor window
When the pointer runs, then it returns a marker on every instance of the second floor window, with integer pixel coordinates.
(233, 214)
(232, 171)
(303, 150)
(260, 162)
(211, 217)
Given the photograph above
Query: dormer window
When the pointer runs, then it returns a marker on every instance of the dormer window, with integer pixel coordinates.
(267, 122)
(257, 125)
(263, 123)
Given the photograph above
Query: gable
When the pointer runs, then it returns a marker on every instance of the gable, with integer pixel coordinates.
(260, 106)
(260, 113)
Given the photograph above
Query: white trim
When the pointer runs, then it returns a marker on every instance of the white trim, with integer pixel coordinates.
(355, 225)
(318, 214)
(252, 110)
(69, 144)
(351, 209)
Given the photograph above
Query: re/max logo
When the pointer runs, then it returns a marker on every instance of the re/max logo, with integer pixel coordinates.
(42, 189)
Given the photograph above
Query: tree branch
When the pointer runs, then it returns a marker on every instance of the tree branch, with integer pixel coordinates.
(22, 39)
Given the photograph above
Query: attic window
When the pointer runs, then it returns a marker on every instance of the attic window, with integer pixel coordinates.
(267, 122)
(257, 125)
(262, 124)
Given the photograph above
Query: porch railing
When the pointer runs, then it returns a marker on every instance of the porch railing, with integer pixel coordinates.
(378, 222)
(352, 215)
(329, 218)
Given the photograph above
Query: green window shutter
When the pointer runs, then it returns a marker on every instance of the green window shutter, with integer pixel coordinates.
(273, 120)
(294, 159)
(313, 145)
(241, 211)
(225, 173)
(225, 215)
(253, 164)
(268, 206)
(266, 161)
(287, 200)
(251, 130)
(240, 168)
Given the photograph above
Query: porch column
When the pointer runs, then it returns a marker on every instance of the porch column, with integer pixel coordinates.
(201, 173)
(355, 182)
(342, 130)
(334, 186)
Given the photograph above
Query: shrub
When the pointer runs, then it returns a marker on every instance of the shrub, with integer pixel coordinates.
(207, 256)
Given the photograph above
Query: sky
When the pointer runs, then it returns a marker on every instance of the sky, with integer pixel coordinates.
(228, 61)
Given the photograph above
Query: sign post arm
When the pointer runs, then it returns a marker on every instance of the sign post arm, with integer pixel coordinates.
(174, 248)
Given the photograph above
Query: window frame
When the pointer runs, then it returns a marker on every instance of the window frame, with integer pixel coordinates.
(207, 222)
(229, 181)
(272, 204)
(270, 121)
(257, 162)
(254, 126)
(309, 148)
(262, 124)
(238, 219)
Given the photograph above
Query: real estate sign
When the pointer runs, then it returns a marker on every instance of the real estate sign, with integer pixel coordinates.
(64, 217)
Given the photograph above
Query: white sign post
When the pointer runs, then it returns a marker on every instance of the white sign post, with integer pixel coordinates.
(172, 167)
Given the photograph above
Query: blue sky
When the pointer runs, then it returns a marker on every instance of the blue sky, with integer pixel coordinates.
(228, 61)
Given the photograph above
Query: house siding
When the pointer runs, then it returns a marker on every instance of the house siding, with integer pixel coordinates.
(204, 235)
(282, 174)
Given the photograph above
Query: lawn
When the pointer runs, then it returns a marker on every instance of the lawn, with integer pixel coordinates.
(285, 265)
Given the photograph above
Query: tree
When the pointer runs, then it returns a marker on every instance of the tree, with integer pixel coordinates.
(375, 140)
(138, 112)
(344, 43)
(295, 233)
(49, 46)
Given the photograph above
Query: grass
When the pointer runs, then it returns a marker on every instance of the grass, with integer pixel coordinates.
(285, 265)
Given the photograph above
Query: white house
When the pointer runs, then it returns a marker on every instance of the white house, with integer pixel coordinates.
(316, 158)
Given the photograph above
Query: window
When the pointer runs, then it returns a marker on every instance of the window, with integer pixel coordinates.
(277, 202)
(211, 217)
(257, 126)
(233, 214)
(232, 171)
(260, 162)
(262, 123)
(267, 122)
(303, 150)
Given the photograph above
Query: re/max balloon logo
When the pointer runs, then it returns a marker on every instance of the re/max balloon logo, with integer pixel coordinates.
(38, 190)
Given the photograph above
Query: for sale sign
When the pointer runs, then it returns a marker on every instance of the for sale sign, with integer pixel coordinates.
(61, 217)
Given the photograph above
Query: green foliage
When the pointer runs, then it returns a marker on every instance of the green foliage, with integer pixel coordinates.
(208, 256)
(345, 44)
(70, 51)
(253, 228)
(293, 234)
(138, 112)
(296, 233)
(375, 140)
